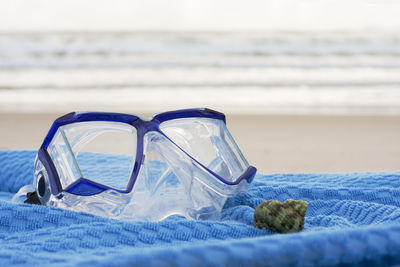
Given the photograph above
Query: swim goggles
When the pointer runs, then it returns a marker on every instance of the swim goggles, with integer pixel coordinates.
(181, 162)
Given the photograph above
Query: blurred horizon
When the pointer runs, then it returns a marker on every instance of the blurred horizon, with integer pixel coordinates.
(192, 15)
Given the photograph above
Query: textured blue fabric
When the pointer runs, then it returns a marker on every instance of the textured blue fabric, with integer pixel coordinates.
(352, 219)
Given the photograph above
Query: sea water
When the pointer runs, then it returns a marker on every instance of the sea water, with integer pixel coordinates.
(270, 72)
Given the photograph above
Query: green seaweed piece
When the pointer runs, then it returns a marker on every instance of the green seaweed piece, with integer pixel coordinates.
(281, 217)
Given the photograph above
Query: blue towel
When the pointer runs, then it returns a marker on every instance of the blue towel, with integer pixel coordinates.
(352, 219)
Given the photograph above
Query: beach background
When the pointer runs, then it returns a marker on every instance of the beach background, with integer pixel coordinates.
(307, 86)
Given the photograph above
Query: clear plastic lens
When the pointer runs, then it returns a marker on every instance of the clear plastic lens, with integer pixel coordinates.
(114, 144)
(169, 183)
(209, 142)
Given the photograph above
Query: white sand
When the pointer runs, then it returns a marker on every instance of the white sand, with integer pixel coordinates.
(274, 144)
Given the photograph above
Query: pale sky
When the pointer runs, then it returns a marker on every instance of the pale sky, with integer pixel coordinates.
(203, 15)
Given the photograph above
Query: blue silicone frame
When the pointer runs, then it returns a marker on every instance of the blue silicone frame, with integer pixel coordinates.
(85, 187)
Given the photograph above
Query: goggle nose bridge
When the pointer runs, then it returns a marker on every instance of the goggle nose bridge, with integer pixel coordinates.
(145, 126)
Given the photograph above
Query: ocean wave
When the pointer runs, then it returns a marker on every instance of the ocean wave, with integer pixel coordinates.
(234, 72)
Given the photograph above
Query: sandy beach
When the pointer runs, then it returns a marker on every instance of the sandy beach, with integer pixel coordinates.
(272, 143)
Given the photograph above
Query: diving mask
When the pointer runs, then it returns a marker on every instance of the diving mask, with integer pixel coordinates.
(178, 163)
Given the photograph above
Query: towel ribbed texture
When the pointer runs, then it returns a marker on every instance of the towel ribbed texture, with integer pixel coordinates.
(352, 219)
